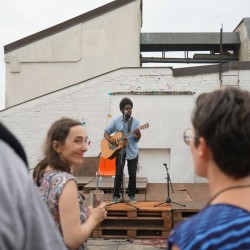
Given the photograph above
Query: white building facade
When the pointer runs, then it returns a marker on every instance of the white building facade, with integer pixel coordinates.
(160, 99)
(86, 67)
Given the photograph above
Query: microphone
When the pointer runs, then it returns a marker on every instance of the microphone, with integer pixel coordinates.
(165, 164)
(125, 112)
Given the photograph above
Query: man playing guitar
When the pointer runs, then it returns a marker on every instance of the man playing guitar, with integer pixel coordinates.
(129, 150)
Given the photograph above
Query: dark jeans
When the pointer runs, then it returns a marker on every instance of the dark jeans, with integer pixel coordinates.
(132, 168)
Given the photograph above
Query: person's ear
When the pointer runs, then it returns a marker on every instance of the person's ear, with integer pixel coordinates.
(57, 146)
(203, 149)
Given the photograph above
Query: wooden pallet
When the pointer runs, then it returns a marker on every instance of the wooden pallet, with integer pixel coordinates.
(125, 221)
(181, 214)
(130, 233)
(160, 220)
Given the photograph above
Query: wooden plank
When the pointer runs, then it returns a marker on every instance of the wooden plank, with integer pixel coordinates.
(132, 233)
(180, 214)
(111, 179)
(190, 206)
(83, 180)
(110, 185)
(198, 191)
(107, 184)
(142, 207)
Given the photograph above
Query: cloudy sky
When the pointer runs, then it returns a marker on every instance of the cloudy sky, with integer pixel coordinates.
(21, 18)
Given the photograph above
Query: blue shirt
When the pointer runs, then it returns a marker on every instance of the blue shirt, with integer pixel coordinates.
(218, 227)
(118, 125)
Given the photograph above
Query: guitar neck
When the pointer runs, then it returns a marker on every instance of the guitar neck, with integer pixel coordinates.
(132, 132)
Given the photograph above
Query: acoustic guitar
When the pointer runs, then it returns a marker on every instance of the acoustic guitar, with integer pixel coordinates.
(109, 150)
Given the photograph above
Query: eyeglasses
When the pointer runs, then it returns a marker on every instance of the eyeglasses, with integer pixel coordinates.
(87, 141)
(188, 135)
(80, 141)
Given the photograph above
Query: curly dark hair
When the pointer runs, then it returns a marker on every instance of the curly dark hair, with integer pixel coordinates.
(222, 118)
(124, 102)
(58, 131)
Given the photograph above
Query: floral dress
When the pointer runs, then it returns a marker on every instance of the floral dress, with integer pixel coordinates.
(51, 186)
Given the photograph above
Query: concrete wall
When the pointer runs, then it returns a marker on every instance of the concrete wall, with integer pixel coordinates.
(244, 53)
(168, 115)
(92, 48)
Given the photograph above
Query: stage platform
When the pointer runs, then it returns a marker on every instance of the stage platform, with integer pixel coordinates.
(107, 184)
(147, 219)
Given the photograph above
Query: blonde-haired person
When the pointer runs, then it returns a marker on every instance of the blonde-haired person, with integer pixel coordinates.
(65, 145)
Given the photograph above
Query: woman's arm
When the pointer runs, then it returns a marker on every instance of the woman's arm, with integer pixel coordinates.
(74, 233)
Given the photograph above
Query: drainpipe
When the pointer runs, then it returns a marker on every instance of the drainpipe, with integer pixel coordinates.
(221, 51)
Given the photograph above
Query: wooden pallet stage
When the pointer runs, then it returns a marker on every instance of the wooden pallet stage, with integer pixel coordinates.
(180, 214)
(150, 221)
(144, 221)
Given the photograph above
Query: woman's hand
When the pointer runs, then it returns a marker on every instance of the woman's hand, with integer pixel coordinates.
(99, 213)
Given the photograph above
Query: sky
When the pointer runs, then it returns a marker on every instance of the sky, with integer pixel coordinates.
(21, 18)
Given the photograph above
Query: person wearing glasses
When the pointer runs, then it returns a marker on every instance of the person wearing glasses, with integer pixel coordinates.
(125, 123)
(64, 148)
(220, 146)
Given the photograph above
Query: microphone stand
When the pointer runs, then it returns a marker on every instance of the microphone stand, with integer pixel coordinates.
(169, 183)
(122, 161)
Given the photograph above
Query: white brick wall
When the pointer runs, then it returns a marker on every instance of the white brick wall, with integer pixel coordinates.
(90, 100)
